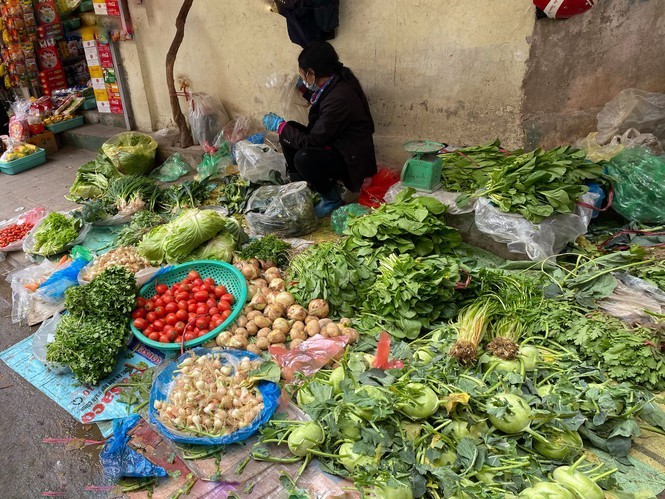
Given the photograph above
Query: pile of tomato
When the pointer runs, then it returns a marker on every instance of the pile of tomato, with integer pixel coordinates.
(14, 232)
(185, 311)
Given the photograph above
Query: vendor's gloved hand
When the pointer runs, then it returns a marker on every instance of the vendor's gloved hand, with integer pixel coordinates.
(272, 122)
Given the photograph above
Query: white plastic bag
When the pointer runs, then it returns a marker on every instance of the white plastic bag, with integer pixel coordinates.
(538, 242)
(29, 240)
(632, 108)
(33, 216)
(207, 117)
(284, 210)
(633, 299)
(45, 335)
(257, 162)
(292, 105)
(446, 197)
(22, 298)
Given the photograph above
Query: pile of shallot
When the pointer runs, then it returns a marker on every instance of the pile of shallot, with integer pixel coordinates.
(210, 397)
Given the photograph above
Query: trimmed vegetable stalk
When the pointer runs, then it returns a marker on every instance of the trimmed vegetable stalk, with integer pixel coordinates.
(471, 327)
(582, 485)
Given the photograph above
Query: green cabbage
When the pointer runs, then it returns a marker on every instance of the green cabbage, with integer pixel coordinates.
(177, 240)
(221, 247)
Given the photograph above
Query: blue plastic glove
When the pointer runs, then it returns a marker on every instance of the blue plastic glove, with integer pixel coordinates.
(272, 122)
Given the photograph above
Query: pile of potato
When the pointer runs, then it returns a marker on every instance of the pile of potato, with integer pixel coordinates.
(272, 317)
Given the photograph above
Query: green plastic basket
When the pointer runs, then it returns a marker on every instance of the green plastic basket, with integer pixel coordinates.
(223, 274)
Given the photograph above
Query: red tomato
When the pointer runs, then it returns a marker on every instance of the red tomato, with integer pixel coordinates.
(171, 336)
(216, 323)
(171, 319)
(140, 301)
(151, 317)
(154, 336)
(189, 336)
(181, 315)
(164, 339)
(158, 325)
(171, 308)
(229, 298)
(198, 282)
(168, 299)
(191, 308)
(178, 339)
(179, 327)
(160, 289)
(203, 332)
(182, 296)
(196, 289)
(193, 274)
(186, 288)
(201, 296)
(202, 322)
(207, 288)
(213, 311)
(139, 313)
(220, 291)
(210, 303)
(226, 314)
(140, 324)
(159, 303)
(201, 309)
(182, 305)
(149, 305)
(175, 288)
(160, 312)
(209, 281)
(185, 281)
(191, 317)
(216, 317)
(147, 331)
(223, 305)
(192, 301)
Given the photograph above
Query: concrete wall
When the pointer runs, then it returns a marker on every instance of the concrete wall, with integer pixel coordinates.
(577, 65)
(448, 70)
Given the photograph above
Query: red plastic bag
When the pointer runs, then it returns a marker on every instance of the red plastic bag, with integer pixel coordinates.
(374, 189)
(308, 357)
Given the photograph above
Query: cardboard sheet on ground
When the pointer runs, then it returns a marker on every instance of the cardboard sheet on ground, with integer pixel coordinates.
(87, 404)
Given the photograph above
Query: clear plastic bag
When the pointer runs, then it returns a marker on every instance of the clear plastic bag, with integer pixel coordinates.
(163, 384)
(633, 299)
(596, 152)
(446, 197)
(216, 163)
(632, 108)
(284, 89)
(132, 153)
(172, 169)
(259, 162)
(309, 356)
(32, 217)
(638, 178)
(284, 210)
(22, 296)
(207, 117)
(119, 460)
(15, 149)
(45, 335)
(29, 241)
(235, 130)
(541, 241)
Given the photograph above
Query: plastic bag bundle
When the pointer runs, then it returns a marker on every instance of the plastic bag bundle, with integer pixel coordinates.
(132, 153)
(207, 117)
(172, 169)
(164, 382)
(374, 189)
(632, 108)
(340, 217)
(259, 162)
(119, 460)
(214, 164)
(638, 178)
(284, 210)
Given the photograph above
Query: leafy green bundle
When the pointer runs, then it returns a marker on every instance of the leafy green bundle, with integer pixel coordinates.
(541, 183)
(89, 338)
(330, 272)
(468, 169)
(268, 249)
(54, 233)
(92, 179)
(411, 224)
(410, 294)
(142, 223)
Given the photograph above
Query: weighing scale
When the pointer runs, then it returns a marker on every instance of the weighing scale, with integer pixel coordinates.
(422, 170)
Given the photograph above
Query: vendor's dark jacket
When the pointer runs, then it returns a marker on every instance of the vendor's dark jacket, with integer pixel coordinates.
(340, 119)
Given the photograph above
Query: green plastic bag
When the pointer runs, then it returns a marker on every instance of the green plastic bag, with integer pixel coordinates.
(213, 164)
(132, 153)
(638, 179)
(172, 169)
(340, 217)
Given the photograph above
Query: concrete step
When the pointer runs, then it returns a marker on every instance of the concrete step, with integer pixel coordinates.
(90, 137)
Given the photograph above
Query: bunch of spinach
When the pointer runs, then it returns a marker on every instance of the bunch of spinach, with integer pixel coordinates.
(411, 224)
(268, 249)
(410, 294)
(540, 183)
(330, 272)
(467, 169)
(89, 338)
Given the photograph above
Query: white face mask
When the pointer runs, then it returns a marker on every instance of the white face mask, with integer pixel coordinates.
(313, 87)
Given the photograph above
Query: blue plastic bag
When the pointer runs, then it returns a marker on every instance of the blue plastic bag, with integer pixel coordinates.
(53, 289)
(162, 386)
(119, 460)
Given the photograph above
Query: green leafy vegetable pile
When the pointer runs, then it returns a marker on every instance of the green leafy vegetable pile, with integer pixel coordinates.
(92, 179)
(410, 294)
(331, 272)
(233, 193)
(142, 223)
(89, 338)
(468, 169)
(412, 224)
(189, 194)
(54, 233)
(540, 183)
(268, 249)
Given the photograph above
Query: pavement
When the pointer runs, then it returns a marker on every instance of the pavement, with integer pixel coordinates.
(29, 467)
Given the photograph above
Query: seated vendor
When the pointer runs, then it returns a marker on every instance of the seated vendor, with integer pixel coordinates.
(336, 146)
